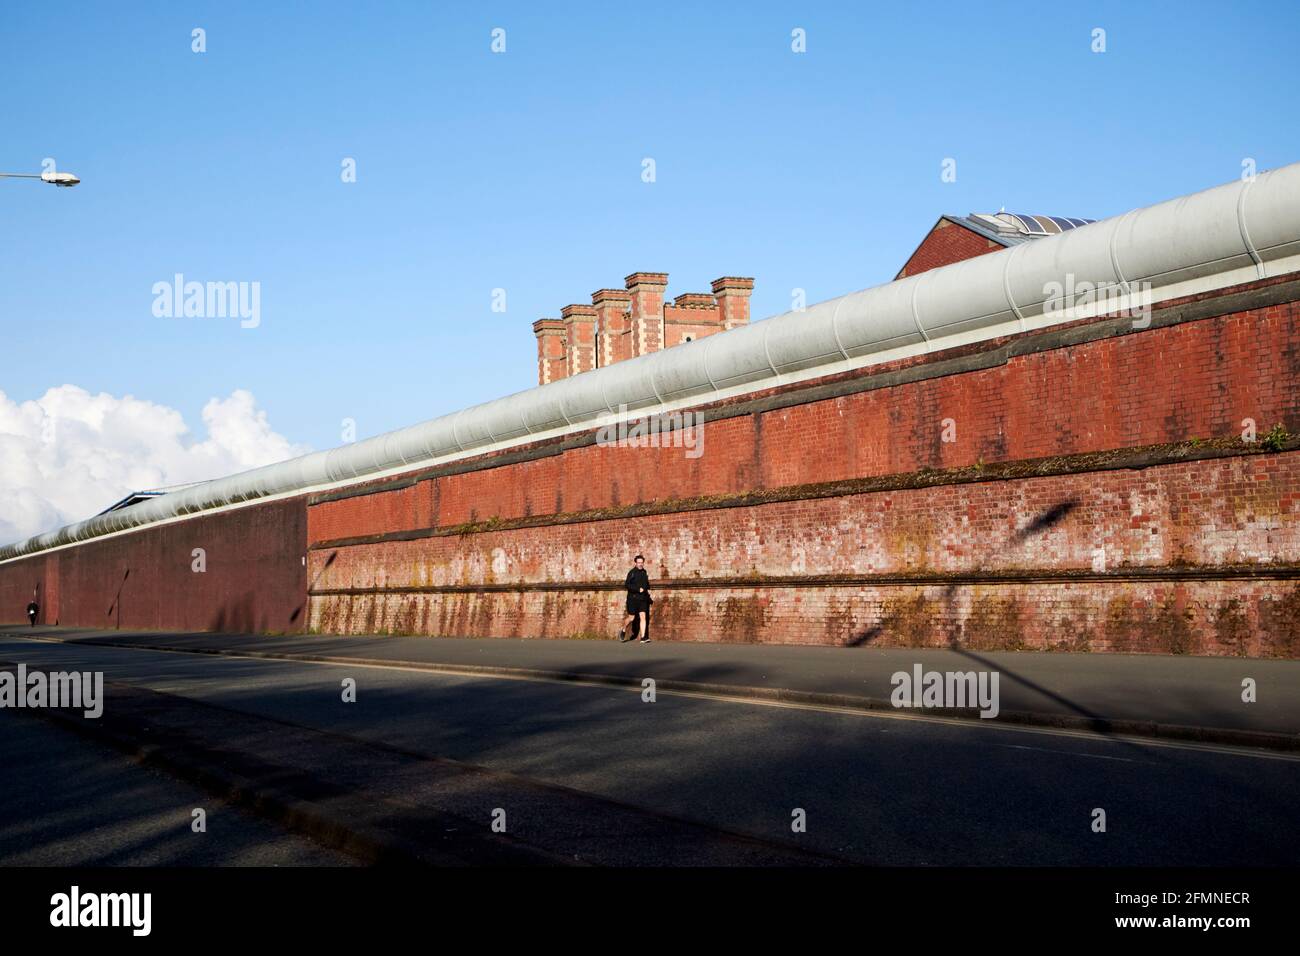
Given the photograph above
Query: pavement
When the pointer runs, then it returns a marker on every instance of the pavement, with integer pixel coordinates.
(1175, 697)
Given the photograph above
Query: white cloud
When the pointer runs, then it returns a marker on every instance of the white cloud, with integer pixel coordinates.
(69, 454)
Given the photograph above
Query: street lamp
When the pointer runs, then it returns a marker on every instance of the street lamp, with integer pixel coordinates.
(58, 179)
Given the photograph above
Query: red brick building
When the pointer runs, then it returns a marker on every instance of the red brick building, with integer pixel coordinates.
(954, 238)
(623, 323)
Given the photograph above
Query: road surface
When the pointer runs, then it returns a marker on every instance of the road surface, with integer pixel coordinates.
(591, 774)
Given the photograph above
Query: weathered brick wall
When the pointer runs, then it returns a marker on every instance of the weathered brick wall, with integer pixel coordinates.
(1141, 517)
(1115, 559)
(1246, 618)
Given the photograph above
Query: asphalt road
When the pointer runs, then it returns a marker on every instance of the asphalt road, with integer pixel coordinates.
(596, 774)
(69, 802)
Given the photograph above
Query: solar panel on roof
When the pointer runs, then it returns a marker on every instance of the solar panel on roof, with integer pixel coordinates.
(1029, 223)
(1036, 226)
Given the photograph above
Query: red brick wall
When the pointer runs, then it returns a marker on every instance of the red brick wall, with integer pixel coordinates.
(1224, 618)
(951, 562)
(945, 244)
(1142, 518)
(255, 578)
(693, 322)
(1193, 380)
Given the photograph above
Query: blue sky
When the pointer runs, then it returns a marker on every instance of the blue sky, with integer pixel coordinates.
(522, 170)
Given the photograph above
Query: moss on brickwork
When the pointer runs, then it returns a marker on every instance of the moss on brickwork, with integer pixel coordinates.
(476, 527)
(743, 619)
(1120, 624)
(370, 623)
(1172, 630)
(993, 624)
(676, 616)
(1075, 637)
(1280, 624)
(907, 622)
(1231, 626)
(1207, 618)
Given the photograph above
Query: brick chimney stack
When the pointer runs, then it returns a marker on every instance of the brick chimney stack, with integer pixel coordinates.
(580, 331)
(732, 293)
(550, 350)
(623, 323)
(612, 325)
(646, 315)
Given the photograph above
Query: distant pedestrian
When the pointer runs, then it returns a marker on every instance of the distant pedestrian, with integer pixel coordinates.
(32, 610)
(637, 585)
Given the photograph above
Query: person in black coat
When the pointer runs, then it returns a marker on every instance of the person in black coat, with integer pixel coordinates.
(637, 585)
(32, 610)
